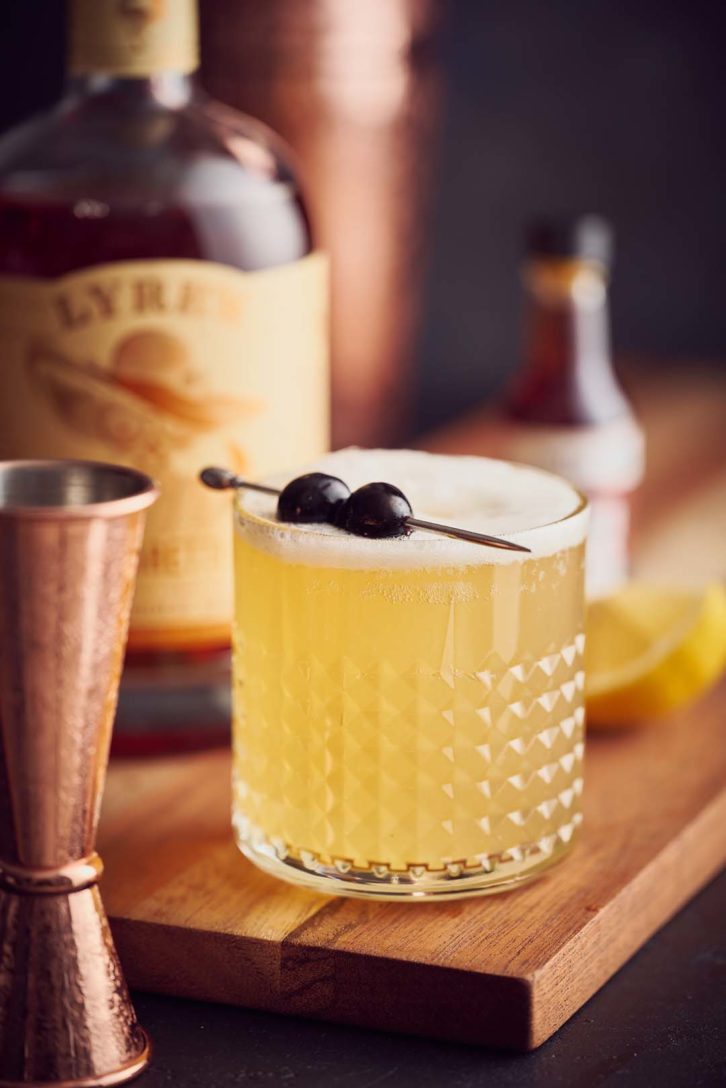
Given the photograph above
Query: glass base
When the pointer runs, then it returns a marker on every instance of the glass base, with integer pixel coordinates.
(493, 872)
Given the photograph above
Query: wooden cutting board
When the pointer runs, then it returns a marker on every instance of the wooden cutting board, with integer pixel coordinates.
(193, 918)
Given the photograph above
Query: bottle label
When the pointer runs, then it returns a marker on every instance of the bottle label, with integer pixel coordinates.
(595, 457)
(605, 461)
(170, 366)
(608, 544)
(133, 38)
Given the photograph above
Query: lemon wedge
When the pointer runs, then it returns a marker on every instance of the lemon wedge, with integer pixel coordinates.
(651, 650)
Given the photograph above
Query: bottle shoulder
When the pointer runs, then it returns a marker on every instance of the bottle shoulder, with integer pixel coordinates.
(89, 183)
(588, 399)
(103, 147)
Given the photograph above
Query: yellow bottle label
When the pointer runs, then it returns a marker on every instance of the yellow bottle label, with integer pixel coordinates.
(133, 37)
(169, 366)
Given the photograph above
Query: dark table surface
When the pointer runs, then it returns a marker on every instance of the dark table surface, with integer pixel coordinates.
(660, 1022)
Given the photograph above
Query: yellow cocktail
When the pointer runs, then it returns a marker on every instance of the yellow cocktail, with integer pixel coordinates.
(408, 712)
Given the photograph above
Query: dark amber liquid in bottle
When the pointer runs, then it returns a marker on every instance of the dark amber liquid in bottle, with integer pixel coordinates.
(567, 377)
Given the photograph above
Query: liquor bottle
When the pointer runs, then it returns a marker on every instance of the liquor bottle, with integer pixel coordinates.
(565, 408)
(161, 305)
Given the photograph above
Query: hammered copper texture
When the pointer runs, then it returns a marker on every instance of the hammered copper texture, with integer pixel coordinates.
(65, 1012)
(66, 584)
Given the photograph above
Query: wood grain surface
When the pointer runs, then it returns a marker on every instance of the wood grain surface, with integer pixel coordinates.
(193, 918)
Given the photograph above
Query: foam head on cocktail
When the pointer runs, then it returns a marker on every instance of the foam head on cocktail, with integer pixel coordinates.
(408, 711)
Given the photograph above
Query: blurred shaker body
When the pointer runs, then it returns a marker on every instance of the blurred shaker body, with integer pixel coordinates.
(355, 88)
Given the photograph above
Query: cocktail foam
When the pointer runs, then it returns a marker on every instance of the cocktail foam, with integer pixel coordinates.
(525, 505)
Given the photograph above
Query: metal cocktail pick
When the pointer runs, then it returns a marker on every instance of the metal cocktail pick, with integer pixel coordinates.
(222, 478)
(70, 533)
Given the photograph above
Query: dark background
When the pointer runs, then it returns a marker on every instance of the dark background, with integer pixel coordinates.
(566, 107)
(558, 106)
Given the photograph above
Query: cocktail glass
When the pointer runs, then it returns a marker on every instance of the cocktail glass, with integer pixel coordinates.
(409, 712)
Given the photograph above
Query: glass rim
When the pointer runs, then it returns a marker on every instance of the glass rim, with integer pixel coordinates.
(142, 493)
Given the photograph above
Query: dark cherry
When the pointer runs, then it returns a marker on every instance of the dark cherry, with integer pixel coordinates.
(314, 497)
(376, 510)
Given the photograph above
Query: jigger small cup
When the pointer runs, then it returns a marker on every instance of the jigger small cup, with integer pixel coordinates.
(70, 534)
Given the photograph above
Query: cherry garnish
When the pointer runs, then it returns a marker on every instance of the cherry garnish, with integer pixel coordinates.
(376, 510)
(314, 497)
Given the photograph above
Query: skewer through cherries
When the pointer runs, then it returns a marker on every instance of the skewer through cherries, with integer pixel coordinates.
(375, 510)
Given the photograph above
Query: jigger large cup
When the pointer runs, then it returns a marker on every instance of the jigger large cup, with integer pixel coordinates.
(70, 533)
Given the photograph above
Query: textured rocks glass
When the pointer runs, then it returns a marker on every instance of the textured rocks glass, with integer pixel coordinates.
(409, 713)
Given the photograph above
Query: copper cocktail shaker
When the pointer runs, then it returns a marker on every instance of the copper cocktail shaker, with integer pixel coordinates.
(70, 533)
(356, 87)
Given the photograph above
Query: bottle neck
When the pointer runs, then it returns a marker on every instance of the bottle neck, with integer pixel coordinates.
(567, 376)
(150, 44)
(171, 90)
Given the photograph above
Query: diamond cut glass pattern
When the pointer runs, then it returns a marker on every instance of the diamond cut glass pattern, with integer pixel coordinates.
(408, 730)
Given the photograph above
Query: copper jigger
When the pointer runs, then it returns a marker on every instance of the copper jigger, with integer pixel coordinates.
(70, 533)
